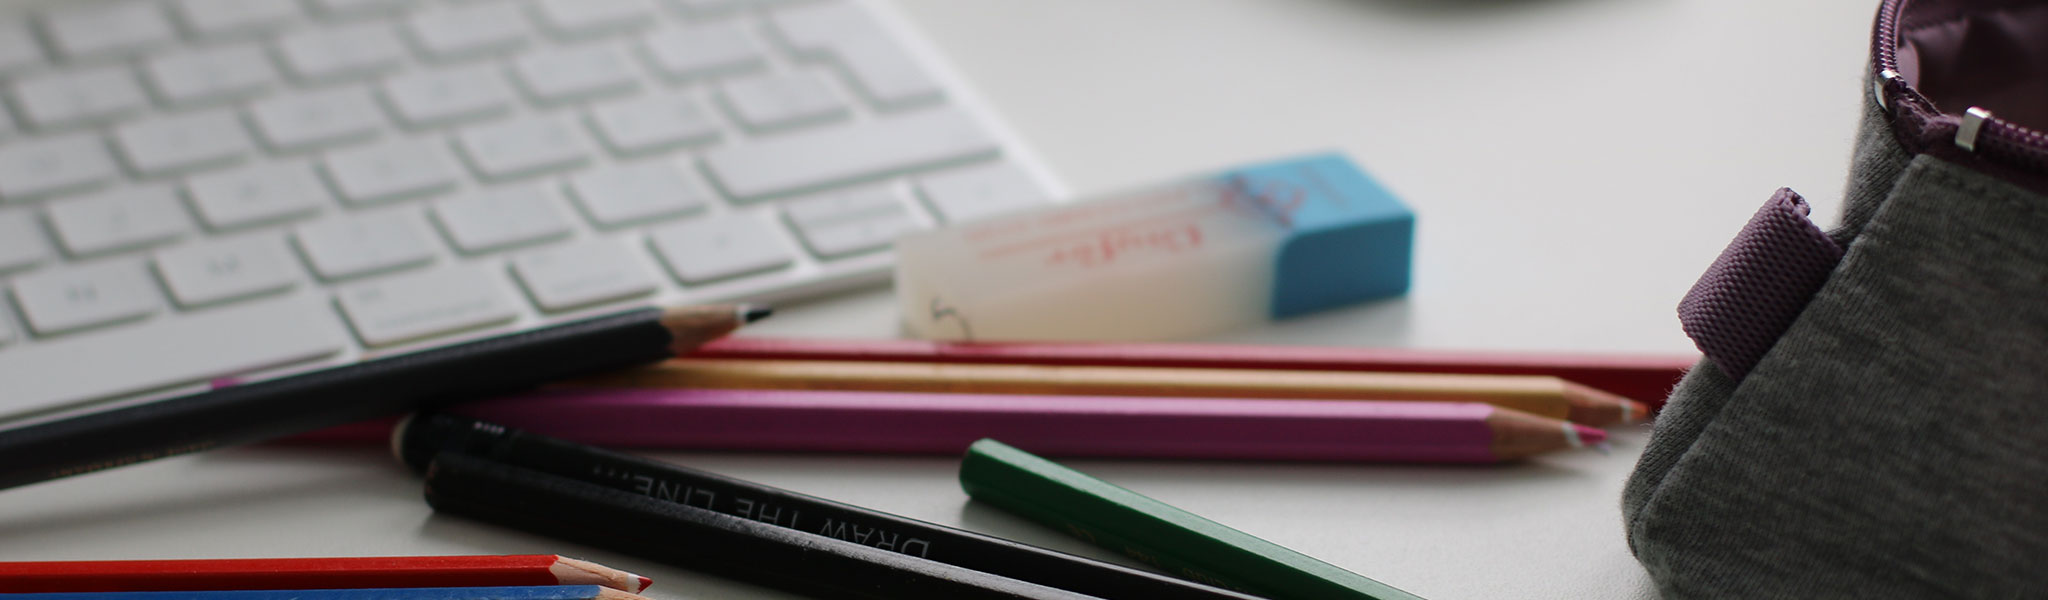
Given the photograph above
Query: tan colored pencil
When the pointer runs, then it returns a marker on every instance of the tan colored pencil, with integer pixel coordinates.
(1539, 395)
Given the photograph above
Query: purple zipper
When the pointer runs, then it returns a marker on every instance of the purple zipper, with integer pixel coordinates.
(1921, 127)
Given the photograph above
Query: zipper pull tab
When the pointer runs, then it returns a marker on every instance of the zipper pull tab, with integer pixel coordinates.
(1973, 122)
(1884, 78)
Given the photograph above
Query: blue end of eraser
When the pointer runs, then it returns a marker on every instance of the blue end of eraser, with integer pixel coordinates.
(1349, 239)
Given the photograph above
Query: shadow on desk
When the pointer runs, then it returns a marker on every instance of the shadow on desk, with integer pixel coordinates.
(1454, 9)
(240, 480)
(1301, 489)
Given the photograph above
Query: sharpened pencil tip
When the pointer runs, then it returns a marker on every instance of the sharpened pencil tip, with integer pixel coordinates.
(1635, 412)
(754, 312)
(644, 582)
(1590, 436)
(1599, 407)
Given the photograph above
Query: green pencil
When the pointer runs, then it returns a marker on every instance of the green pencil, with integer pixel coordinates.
(1152, 531)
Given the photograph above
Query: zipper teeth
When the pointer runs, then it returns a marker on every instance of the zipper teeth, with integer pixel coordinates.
(2000, 139)
(2028, 148)
(1886, 42)
(1885, 46)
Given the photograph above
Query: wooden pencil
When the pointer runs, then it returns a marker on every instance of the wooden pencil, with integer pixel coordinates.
(1098, 426)
(388, 386)
(424, 436)
(1538, 395)
(1162, 535)
(714, 542)
(310, 573)
(544, 592)
(1646, 378)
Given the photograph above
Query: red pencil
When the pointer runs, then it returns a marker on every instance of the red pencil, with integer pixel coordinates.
(1646, 378)
(310, 573)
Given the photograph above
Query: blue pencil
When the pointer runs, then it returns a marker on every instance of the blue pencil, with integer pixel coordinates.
(530, 592)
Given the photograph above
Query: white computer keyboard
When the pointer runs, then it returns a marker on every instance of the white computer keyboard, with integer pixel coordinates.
(199, 189)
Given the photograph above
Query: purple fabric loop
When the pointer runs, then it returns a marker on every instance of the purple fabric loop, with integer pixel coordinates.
(1758, 285)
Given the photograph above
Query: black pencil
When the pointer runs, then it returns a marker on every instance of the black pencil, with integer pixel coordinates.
(418, 439)
(701, 539)
(261, 410)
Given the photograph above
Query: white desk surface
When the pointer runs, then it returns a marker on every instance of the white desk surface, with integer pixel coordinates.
(1575, 164)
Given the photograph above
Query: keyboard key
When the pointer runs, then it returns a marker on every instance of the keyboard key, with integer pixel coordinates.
(365, 243)
(107, 29)
(358, 8)
(584, 18)
(654, 123)
(79, 96)
(812, 159)
(502, 218)
(165, 352)
(211, 74)
(21, 241)
(716, 247)
(391, 171)
(341, 52)
(703, 50)
(218, 18)
(880, 67)
(635, 193)
(77, 297)
(523, 147)
(226, 269)
(851, 221)
(468, 30)
(422, 305)
(567, 276)
(118, 220)
(980, 191)
(782, 100)
(845, 206)
(577, 73)
(256, 194)
(18, 49)
(703, 8)
(183, 142)
(723, 7)
(47, 166)
(438, 97)
(315, 119)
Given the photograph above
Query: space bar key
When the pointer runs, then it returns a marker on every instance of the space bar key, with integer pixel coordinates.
(166, 352)
(796, 162)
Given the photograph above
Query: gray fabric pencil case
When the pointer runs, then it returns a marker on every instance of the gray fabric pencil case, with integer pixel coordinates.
(1871, 417)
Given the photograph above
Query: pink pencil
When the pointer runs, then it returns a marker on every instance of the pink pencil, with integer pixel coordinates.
(881, 422)
(1645, 378)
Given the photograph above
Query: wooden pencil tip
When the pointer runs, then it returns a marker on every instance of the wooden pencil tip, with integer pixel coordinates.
(692, 326)
(1589, 436)
(1599, 408)
(570, 571)
(1634, 412)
